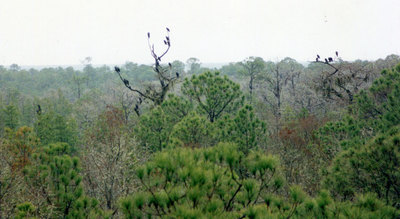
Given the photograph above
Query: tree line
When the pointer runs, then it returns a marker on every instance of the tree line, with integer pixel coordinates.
(251, 139)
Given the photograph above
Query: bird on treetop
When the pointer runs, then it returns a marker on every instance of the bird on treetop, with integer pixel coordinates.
(117, 69)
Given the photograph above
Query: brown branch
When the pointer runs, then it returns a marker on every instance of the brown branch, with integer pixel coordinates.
(134, 90)
(166, 82)
(327, 63)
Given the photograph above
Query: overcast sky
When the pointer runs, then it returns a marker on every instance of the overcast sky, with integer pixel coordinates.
(64, 32)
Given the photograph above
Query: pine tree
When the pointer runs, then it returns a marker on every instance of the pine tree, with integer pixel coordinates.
(11, 116)
(213, 182)
(55, 181)
(194, 131)
(215, 95)
(373, 167)
(53, 128)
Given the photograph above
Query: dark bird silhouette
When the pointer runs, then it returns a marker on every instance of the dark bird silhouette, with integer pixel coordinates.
(318, 56)
(39, 110)
(117, 69)
(167, 29)
(169, 64)
(326, 60)
(177, 75)
(330, 59)
(148, 34)
(136, 107)
(337, 54)
(126, 82)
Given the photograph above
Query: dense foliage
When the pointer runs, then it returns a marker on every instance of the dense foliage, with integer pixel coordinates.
(253, 139)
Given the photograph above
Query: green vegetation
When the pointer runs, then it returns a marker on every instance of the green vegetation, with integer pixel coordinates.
(253, 139)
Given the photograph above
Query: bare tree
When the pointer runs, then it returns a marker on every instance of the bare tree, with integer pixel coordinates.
(252, 67)
(272, 83)
(165, 77)
(107, 159)
(79, 81)
(344, 79)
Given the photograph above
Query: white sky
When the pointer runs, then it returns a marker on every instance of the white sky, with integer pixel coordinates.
(63, 32)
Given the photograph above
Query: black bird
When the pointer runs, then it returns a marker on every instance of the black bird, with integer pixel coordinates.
(337, 54)
(117, 69)
(177, 75)
(167, 29)
(136, 107)
(330, 59)
(39, 110)
(169, 64)
(126, 82)
(326, 60)
(318, 56)
(148, 34)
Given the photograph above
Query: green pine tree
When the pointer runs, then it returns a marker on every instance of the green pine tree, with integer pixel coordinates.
(215, 95)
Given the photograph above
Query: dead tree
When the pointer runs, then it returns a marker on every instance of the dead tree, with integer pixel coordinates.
(344, 80)
(152, 92)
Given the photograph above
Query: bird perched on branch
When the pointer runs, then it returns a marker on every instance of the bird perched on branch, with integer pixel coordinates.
(126, 82)
(330, 59)
(117, 69)
(39, 110)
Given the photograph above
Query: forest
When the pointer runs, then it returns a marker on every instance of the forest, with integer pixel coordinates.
(251, 139)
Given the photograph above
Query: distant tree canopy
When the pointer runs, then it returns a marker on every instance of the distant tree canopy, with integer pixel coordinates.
(252, 139)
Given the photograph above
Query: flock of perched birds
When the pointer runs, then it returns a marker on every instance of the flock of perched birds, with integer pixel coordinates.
(126, 82)
(327, 60)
